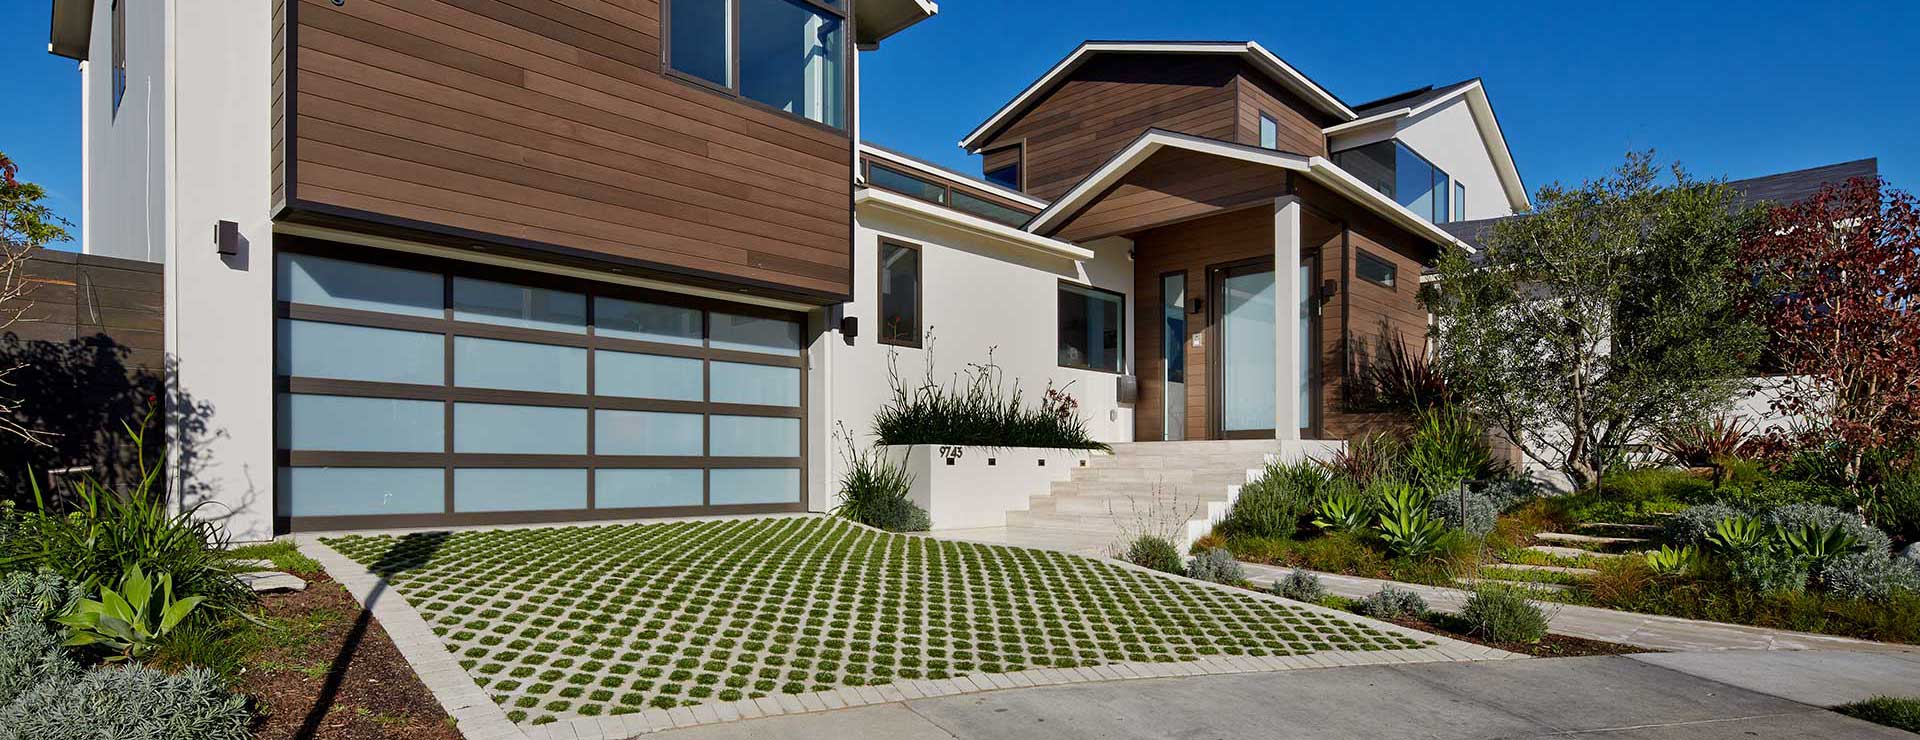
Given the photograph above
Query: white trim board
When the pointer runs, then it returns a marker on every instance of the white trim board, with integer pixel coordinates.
(873, 198)
(1483, 119)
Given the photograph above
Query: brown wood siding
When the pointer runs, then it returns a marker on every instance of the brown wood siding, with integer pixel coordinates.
(1005, 155)
(1192, 246)
(74, 297)
(550, 123)
(277, 109)
(1110, 101)
(1172, 185)
(1300, 124)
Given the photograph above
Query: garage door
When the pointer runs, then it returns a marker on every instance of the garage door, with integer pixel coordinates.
(412, 392)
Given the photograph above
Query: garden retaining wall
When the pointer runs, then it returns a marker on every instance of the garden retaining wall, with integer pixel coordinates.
(962, 487)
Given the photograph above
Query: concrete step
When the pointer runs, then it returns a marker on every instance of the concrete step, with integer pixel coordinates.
(1523, 585)
(1572, 552)
(1122, 505)
(1116, 524)
(1589, 539)
(1547, 569)
(1169, 476)
(1200, 446)
(1141, 488)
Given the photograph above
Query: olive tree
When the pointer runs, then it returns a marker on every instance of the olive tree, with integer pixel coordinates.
(1606, 312)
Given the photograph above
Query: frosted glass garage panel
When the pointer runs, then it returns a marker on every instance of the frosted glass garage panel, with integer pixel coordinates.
(524, 306)
(518, 489)
(646, 487)
(360, 491)
(754, 334)
(753, 436)
(767, 385)
(754, 486)
(647, 322)
(518, 366)
(520, 430)
(647, 433)
(647, 376)
(322, 281)
(312, 349)
(346, 424)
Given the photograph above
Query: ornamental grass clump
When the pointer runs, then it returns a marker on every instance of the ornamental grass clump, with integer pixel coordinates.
(876, 491)
(977, 408)
(1155, 552)
(1278, 502)
(1502, 614)
(1392, 603)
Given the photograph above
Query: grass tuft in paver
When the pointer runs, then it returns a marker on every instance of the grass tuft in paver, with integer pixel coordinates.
(592, 620)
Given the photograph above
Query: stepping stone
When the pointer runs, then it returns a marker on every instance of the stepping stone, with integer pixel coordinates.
(1523, 585)
(1613, 527)
(1548, 569)
(1588, 539)
(251, 564)
(1572, 552)
(267, 581)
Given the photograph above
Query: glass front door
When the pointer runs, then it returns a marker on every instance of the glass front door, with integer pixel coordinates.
(1173, 353)
(1247, 334)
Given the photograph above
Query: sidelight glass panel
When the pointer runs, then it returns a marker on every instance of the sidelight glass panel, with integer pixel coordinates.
(753, 436)
(1248, 337)
(754, 486)
(765, 385)
(627, 488)
(793, 57)
(523, 306)
(518, 366)
(699, 39)
(647, 376)
(519, 430)
(311, 349)
(1173, 355)
(347, 424)
(518, 489)
(323, 281)
(359, 491)
(647, 433)
(647, 322)
(1303, 331)
(754, 334)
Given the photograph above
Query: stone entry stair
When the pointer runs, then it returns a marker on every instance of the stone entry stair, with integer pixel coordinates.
(1592, 541)
(1172, 488)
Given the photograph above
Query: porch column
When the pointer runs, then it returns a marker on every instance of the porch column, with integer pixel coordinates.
(1286, 320)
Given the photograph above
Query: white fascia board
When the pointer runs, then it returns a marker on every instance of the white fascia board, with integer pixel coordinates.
(1368, 122)
(947, 174)
(1253, 52)
(875, 198)
(1325, 172)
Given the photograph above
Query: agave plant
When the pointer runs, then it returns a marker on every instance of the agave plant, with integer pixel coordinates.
(131, 621)
(1406, 526)
(1671, 561)
(1817, 543)
(1738, 534)
(1345, 509)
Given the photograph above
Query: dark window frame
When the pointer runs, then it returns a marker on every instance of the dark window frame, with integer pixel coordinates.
(1459, 201)
(919, 294)
(732, 89)
(866, 173)
(450, 394)
(1260, 134)
(1019, 166)
(1437, 175)
(1393, 270)
(1120, 329)
(119, 70)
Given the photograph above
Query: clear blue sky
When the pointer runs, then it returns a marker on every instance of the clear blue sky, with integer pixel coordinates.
(1734, 90)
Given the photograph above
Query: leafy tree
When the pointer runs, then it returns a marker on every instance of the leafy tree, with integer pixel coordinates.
(26, 224)
(1605, 313)
(1840, 279)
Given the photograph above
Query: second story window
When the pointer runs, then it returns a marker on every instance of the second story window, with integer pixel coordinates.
(119, 53)
(1002, 167)
(1399, 173)
(1269, 132)
(1459, 201)
(790, 55)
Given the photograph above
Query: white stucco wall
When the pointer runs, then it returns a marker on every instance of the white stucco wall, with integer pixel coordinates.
(1447, 137)
(124, 175)
(976, 297)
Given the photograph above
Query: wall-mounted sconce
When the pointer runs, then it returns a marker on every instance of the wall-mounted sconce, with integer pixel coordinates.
(226, 238)
(1196, 305)
(1329, 289)
(850, 326)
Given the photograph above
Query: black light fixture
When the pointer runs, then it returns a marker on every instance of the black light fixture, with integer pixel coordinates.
(1329, 288)
(850, 326)
(1196, 305)
(226, 238)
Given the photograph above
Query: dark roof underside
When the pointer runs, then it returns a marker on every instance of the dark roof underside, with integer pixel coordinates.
(1410, 99)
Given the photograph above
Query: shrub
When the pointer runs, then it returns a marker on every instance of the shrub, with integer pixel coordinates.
(1898, 510)
(1300, 585)
(1150, 551)
(131, 702)
(1866, 575)
(30, 655)
(1398, 378)
(1657, 485)
(1370, 458)
(1768, 570)
(1392, 603)
(1898, 713)
(1480, 508)
(39, 595)
(876, 491)
(1405, 524)
(1671, 561)
(1448, 448)
(1276, 503)
(1343, 509)
(1503, 614)
(1217, 566)
(1774, 492)
(1691, 526)
(1800, 516)
(977, 408)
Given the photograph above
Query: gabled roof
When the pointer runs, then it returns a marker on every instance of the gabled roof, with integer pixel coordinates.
(1781, 189)
(1253, 53)
(1415, 103)
(1318, 169)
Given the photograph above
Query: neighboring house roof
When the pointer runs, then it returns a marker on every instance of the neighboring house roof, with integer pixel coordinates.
(1781, 188)
(72, 29)
(928, 168)
(1252, 52)
(1319, 169)
(1412, 104)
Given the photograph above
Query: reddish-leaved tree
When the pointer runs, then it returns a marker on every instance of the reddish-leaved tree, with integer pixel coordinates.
(1840, 289)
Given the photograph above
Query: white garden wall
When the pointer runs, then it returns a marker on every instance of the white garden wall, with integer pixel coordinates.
(966, 487)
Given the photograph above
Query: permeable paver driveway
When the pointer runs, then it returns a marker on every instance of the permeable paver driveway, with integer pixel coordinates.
(567, 622)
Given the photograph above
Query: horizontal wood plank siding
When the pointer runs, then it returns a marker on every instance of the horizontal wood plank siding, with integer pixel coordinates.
(1192, 246)
(1173, 185)
(1299, 123)
(277, 108)
(550, 122)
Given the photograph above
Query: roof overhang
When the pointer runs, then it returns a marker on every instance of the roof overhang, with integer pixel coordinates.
(933, 170)
(868, 200)
(72, 29)
(1484, 120)
(1319, 169)
(1253, 53)
(875, 20)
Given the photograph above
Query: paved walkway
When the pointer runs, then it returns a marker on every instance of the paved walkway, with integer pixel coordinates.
(1614, 697)
(1626, 628)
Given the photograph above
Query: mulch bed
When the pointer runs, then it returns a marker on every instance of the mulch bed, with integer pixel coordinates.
(329, 653)
(1552, 646)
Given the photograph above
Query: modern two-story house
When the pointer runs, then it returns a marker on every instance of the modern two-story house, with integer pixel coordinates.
(437, 262)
